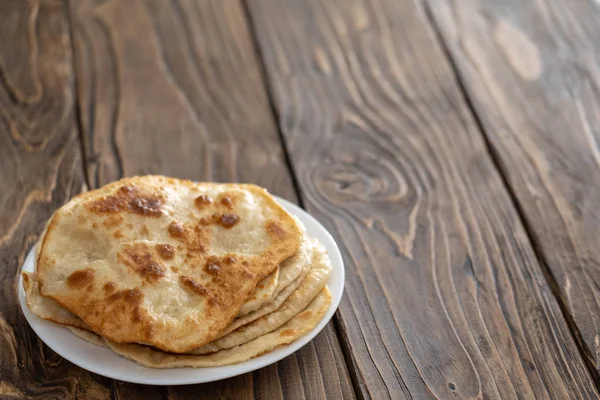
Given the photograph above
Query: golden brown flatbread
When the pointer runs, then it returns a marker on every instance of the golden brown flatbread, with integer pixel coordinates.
(47, 308)
(263, 293)
(312, 254)
(306, 261)
(286, 273)
(296, 327)
(160, 261)
(299, 299)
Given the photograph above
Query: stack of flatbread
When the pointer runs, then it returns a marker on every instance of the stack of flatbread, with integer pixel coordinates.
(172, 273)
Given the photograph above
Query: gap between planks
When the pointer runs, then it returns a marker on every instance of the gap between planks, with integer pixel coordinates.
(78, 119)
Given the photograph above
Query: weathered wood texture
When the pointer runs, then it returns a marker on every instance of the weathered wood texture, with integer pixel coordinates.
(175, 88)
(40, 168)
(533, 72)
(444, 295)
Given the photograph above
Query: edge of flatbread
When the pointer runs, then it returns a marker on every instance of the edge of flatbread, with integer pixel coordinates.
(300, 298)
(295, 328)
(47, 308)
(277, 300)
(301, 291)
(263, 293)
(287, 272)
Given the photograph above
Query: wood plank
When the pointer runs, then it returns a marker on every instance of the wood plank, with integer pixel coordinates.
(40, 168)
(533, 72)
(444, 297)
(175, 88)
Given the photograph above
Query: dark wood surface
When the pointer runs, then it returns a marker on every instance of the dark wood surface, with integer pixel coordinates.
(445, 295)
(539, 103)
(450, 147)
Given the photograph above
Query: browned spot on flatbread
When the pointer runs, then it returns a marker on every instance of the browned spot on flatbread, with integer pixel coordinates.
(80, 279)
(139, 257)
(196, 246)
(166, 251)
(213, 301)
(192, 285)
(305, 315)
(229, 259)
(213, 219)
(136, 315)
(112, 221)
(128, 302)
(146, 206)
(129, 296)
(196, 240)
(228, 220)
(176, 229)
(288, 333)
(226, 201)
(275, 230)
(212, 266)
(202, 201)
(128, 199)
(118, 234)
(151, 270)
(109, 287)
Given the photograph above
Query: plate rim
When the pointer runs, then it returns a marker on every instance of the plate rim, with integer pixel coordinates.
(148, 376)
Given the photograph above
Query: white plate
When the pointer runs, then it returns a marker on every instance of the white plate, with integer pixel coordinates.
(104, 362)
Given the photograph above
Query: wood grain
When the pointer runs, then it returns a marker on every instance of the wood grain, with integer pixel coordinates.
(444, 296)
(40, 168)
(533, 73)
(175, 88)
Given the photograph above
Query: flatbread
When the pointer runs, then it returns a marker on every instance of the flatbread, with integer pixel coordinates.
(312, 254)
(316, 250)
(298, 264)
(309, 288)
(265, 289)
(298, 326)
(88, 336)
(287, 272)
(47, 308)
(160, 261)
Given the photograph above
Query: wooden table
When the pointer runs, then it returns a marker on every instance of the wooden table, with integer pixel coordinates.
(452, 147)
